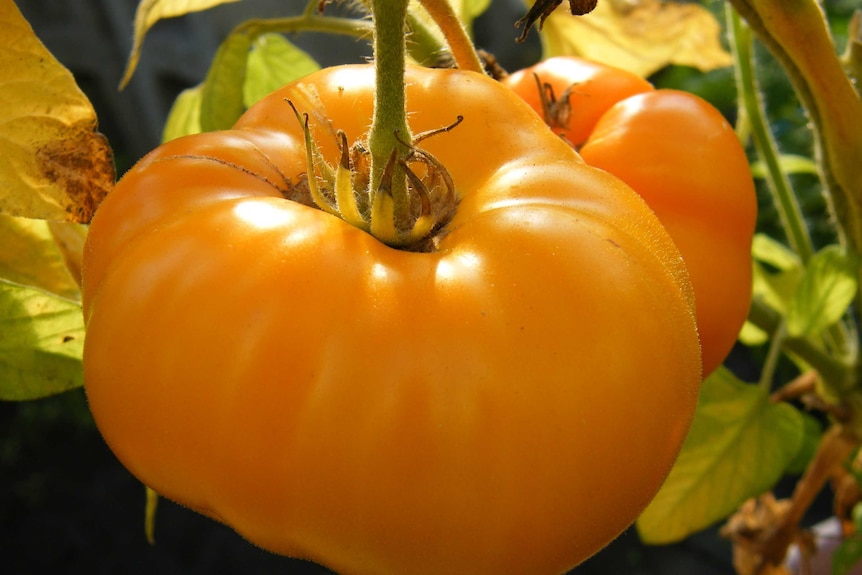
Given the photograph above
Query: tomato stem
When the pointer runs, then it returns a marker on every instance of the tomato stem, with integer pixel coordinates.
(453, 30)
(389, 122)
(798, 35)
(384, 184)
(778, 183)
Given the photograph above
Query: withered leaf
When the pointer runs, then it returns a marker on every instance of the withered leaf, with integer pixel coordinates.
(642, 36)
(54, 165)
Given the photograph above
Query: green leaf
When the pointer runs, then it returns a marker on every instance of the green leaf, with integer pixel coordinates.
(751, 335)
(812, 431)
(274, 62)
(770, 251)
(777, 272)
(185, 116)
(847, 555)
(825, 291)
(790, 164)
(222, 94)
(738, 447)
(41, 343)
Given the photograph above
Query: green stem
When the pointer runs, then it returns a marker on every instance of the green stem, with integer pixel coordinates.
(389, 128)
(423, 44)
(836, 374)
(776, 346)
(308, 22)
(751, 102)
(798, 34)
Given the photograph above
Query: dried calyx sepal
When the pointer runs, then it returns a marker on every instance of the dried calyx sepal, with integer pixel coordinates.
(344, 190)
(556, 111)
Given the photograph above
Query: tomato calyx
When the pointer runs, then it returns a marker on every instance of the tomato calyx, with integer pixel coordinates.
(556, 112)
(412, 223)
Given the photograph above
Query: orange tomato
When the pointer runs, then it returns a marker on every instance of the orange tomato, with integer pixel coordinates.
(680, 154)
(506, 403)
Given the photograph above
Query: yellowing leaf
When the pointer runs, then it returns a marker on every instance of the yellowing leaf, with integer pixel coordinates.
(739, 445)
(469, 10)
(53, 163)
(29, 255)
(642, 36)
(151, 11)
(41, 345)
(69, 239)
(777, 272)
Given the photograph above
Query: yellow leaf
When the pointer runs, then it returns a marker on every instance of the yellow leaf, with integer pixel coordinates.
(642, 36)
(53, 163)
(69, 238)
(31, 256)
(151, 11)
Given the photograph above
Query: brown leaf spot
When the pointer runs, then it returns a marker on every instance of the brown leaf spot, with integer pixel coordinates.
(83, 167)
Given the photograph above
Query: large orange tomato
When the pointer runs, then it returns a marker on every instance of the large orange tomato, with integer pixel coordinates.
(680, 154)
(507, 402)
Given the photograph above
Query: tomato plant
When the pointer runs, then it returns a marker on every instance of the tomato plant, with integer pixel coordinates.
(390, 322)
(681, 156)
(381, 410)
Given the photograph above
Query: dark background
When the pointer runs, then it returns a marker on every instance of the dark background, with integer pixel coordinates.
(66, 505)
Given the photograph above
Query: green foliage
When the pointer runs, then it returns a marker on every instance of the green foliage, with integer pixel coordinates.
(272, 63)
(185, 115)
(221, 98)
(42, 343)
(849, 552)
(739, 445)
(824, 293)
(243, 71)
(811, 432)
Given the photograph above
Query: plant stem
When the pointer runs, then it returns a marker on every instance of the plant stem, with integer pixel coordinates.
(837, 375)
(309, 22)
(797, 33)
(751, 102)
(836, 447)
(776, 345)
(389, 122)
(456, 36)
(423, 43)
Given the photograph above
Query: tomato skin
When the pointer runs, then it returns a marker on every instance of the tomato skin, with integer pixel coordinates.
(593, 89)
(707, 202)
(684, 159)
(506, 404)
